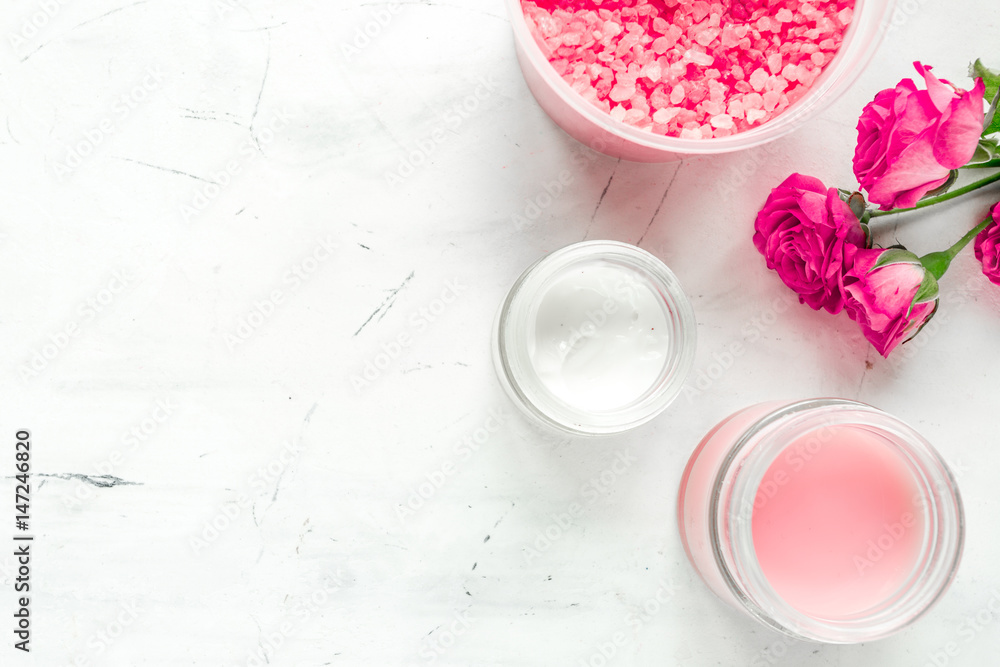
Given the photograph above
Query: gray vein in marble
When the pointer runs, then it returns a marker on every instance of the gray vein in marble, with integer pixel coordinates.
(601, 198)
(100, 481)
(260, 91)
(79, 25)
(660, 205)
(166, 169)
(386, 305)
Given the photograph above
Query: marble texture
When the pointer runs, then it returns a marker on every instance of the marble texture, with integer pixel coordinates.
(201, 238)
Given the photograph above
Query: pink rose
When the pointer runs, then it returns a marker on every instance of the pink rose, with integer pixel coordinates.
(881, 299)
(987, 247)
(809, 236)
(909, 140)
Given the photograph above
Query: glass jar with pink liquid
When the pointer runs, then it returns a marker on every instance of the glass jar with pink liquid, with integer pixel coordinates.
(825, 519)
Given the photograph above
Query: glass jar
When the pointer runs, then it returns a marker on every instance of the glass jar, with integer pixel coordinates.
(826, 519)
(595, 338)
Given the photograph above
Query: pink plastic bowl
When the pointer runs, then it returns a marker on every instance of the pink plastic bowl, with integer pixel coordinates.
(595, 128)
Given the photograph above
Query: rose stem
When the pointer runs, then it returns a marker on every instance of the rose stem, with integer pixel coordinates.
(943, 198)
(937, 262)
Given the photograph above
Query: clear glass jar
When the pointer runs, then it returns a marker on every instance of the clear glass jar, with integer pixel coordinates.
(731, 506)
(586, 123)
(595, 338)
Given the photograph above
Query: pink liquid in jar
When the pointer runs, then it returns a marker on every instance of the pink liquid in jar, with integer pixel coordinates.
(837, 526)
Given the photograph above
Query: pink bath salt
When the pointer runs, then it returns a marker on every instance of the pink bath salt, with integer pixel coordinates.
(696, 91)
(661, 45)
(699, 10)
(636, 116)
(706, 36)
(664, 116)
(693, 68)
(639, 102)
(652, 71)
(717, 91)
(753, 101)
(698, 57)
(711, 108)
(807, 75)
(723, 121)
(777, 83)
(677, 95)
(622, 91)
(758, 79)
(660, 98)
(728, 37)
(603, 89)
(774, 63)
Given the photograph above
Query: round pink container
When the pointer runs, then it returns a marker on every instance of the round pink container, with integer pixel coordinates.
(796, 484)
(591, 126)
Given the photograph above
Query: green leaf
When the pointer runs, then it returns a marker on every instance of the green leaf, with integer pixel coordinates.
(986, 151)
(952, 177)
(896, 255)
(928, 289)
(992, 81)
(992, 122)
(989, 77)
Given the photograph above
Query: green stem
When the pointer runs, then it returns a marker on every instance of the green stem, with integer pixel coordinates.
(938, 262)
(965, 240)
(943, 198)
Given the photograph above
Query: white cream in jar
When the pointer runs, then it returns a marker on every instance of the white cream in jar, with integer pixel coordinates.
(600, 337)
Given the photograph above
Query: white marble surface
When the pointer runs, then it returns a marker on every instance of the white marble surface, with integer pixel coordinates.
(239, 160)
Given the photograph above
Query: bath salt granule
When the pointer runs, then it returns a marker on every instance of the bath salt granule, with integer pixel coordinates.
(690, 69)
